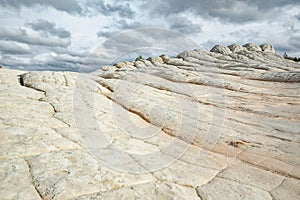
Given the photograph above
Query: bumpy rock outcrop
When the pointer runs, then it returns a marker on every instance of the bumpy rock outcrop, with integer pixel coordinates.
(267, 48)
(236, 48)
(204, 125)
(221, 49)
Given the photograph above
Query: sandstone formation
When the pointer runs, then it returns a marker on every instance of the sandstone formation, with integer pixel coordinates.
(204, 125)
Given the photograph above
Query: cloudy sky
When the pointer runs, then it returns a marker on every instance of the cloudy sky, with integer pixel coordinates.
(83, 35)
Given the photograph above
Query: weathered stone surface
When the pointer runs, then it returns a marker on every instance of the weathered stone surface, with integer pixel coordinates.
(226, 189)
(16, 180)
(252, 176)
(236, 48)
(221, 49)
(289, 189)
(203, 125)
(68, 174)
(156, 191)
(252, 47)
(267, 48)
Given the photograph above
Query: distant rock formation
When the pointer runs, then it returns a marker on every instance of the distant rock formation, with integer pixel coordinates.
(235, 48)
(203, 125)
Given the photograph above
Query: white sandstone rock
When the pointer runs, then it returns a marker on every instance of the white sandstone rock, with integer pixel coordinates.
(236, 48)
(252, 47)
(209, 125)
(267, 48)
(221, 49)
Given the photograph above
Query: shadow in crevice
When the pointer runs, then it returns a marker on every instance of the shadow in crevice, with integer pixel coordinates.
(20, 79)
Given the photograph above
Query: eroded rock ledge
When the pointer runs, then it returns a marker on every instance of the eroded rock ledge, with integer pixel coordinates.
(236, 108)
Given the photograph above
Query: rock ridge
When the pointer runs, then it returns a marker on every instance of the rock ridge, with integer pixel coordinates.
(218, 124)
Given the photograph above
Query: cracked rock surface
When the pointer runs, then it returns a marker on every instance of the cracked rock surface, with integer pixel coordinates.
(204, 125)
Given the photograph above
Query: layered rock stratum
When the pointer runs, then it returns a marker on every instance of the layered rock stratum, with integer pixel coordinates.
(204, 125)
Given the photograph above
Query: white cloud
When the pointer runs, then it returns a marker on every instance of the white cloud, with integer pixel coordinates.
(9, 47)
(30, 37)
(48, 27)
(57, 35)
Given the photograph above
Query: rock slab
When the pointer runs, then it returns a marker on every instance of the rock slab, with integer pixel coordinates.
(203, 125)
